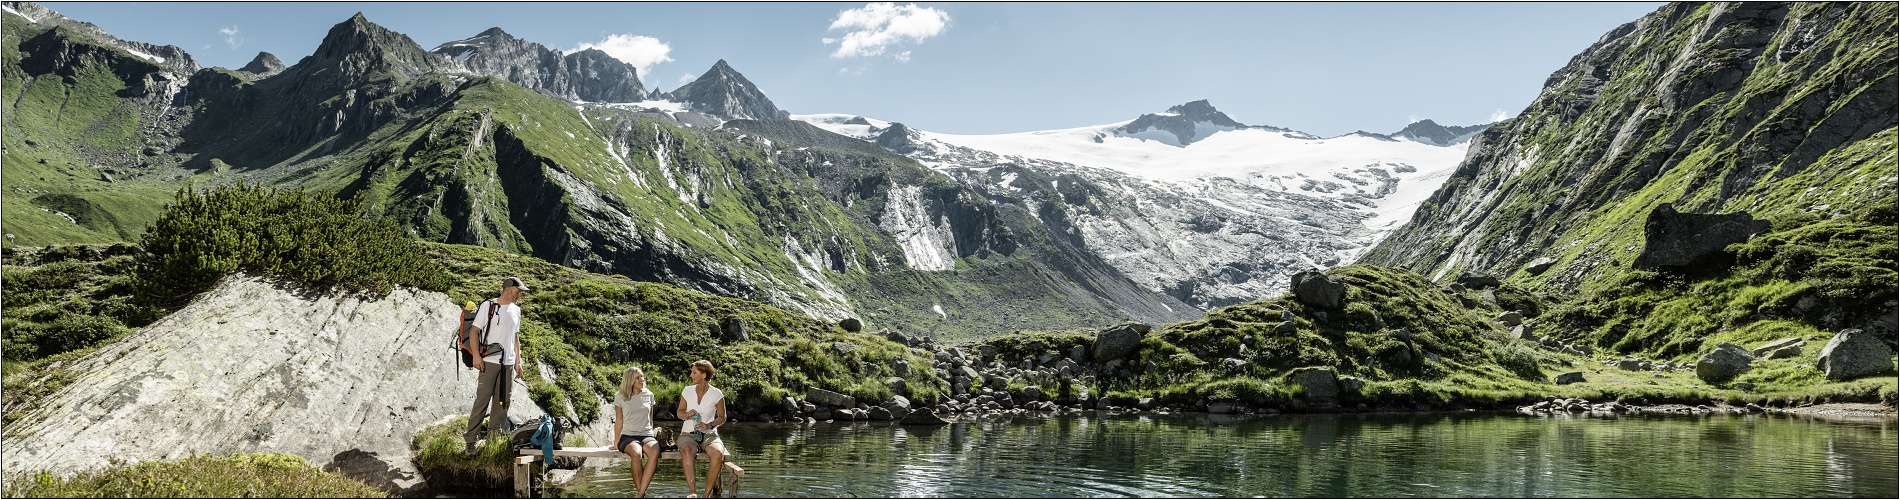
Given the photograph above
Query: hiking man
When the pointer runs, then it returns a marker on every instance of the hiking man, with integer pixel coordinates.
(501, 330)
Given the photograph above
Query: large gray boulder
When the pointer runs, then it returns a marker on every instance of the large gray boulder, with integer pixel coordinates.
(1320, 386)
(1674, 239)
(1854, 353)
(828, 398)
(1568, 378)
(1478, 281)
(1314, 288)
(1724, 363)
(734, 328)
(1119, 340)
(923, 416)
(257, 366)
(1540, 265)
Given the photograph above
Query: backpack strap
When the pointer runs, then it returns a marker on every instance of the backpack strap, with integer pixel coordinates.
(493, 308)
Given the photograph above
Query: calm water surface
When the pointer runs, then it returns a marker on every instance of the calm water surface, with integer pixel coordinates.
(1366, 455)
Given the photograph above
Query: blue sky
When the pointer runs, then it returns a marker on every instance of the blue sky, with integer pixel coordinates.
(979, 68)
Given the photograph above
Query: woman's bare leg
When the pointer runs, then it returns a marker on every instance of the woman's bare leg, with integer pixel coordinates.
(686, 463)
(716, 451)
(641, 481)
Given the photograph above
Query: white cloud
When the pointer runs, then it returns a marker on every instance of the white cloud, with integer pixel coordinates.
(902, 56)
(875, 27)
(1411, 119)
(231, 37)
(686, 78)
(640, 51)
(1499, 115)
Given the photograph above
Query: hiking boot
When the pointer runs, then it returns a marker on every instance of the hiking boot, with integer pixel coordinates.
(468, 450)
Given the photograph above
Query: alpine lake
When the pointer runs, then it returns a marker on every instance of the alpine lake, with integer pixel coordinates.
(1436, 454)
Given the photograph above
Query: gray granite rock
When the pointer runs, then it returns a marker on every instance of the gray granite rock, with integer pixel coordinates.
(1723, 363)
(1854, 353)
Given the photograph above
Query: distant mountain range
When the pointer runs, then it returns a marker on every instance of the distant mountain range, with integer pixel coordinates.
(501, 142)
(1189, 201)
(602, 174)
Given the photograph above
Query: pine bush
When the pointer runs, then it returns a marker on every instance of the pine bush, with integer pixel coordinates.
(314, 239)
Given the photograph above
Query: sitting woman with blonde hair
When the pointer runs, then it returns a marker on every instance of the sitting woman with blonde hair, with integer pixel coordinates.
(633, 423)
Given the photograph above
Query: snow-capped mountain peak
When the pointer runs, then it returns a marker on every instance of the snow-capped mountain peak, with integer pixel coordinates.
(1180, 125)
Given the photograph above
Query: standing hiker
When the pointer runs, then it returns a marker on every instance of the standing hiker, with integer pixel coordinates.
(498, 325)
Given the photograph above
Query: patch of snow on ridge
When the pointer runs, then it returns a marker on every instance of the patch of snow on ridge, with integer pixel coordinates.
(150, 57)
(17, 13)
(661, 106)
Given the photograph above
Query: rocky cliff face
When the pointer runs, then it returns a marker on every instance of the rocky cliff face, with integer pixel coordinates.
(172, 58)
(1716, 108)
(724, 92)
(256, 366)
(587, 75)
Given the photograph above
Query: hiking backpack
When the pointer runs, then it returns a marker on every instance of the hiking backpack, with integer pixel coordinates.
(463, 333)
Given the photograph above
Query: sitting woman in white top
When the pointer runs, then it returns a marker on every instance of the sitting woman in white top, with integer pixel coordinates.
(703, 407)
(633, 423)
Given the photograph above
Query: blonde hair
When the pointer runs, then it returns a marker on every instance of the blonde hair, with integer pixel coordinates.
(626, 381)
(707, 365)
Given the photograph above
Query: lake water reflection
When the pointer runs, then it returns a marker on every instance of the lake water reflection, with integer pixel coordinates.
(1351, 455)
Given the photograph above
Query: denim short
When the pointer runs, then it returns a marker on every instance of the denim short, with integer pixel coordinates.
(628, 439)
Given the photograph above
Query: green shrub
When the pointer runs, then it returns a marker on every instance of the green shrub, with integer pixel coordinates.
(1519, 359)
(318, 240)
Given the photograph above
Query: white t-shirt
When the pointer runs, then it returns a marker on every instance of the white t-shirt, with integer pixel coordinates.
(636, 413)
(507, 325)
(708, 408)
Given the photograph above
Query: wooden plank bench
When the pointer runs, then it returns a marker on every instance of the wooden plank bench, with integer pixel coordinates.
(524, 475)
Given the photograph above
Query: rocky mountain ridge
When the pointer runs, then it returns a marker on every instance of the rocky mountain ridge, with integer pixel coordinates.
(1430, 132)
(618, 188)
(585, 75)
(1715, 108)
(171, 57)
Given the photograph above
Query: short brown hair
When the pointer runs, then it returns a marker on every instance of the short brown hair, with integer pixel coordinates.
(705, 365)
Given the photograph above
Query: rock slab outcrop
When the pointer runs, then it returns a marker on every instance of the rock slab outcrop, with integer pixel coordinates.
(258, 366)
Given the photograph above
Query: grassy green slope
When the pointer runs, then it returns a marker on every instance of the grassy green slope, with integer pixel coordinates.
(1790, 130)
(56, 128)
(585, 327)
